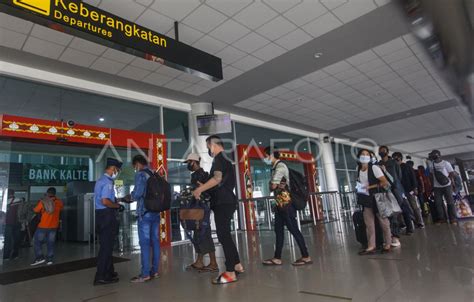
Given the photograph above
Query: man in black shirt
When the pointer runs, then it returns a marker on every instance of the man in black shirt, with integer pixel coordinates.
(203, 243)
(224, 204)
(393, 168)
(410, 186)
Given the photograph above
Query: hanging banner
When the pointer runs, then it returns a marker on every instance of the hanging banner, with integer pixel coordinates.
(89, 22)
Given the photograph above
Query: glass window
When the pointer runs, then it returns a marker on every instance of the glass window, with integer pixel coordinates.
(344, 185)
(35, 100)
(176, 129)
(351, 157)
(338, 152)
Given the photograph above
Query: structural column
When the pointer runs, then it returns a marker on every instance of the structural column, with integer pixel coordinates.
(327, 161)
(197, 142)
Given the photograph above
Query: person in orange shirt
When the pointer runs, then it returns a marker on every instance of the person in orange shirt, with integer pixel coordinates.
(50, 209)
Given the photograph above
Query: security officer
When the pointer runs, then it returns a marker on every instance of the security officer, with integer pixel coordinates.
(107, 225)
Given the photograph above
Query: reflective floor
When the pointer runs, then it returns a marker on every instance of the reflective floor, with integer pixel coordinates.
(436, 264)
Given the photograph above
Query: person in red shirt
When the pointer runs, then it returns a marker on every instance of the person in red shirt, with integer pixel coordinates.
(50, 209)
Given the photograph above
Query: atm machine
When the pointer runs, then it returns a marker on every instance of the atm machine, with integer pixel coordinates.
(78, 214)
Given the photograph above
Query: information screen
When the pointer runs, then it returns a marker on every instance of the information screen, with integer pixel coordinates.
(214, 124)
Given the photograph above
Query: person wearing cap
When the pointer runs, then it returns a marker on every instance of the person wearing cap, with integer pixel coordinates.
(107, 225)
(205, 244)
(442, 178)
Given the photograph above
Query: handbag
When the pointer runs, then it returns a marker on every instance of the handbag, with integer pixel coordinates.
(440, 177)
(387, 204)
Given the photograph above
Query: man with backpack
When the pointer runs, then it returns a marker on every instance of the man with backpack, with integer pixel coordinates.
(50, 209)
(442, 177)
(285, 211)
(148, 222)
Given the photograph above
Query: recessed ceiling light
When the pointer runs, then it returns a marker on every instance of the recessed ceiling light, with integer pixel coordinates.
(318, 55)
(101, 119)
(260, 143)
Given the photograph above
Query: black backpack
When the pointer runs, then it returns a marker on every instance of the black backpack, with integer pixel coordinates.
(158, 193)
(298, 189)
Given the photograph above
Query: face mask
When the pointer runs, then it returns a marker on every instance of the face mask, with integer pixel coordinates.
(364, 159)
(267, 161)
(374, 160)
(382, 154)
(190, 167)
(209, 152)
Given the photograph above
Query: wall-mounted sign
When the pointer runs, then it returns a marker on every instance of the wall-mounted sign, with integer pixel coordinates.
(89, 22)
(40, 174)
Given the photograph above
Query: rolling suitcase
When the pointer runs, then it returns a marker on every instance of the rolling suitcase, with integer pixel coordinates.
(360, 230)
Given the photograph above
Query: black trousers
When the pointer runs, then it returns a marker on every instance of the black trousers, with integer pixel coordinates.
(107, 229)
(287, 216)
(12, 241)
(223, 215)
(447, 193)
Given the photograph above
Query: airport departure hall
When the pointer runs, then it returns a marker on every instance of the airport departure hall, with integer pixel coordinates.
(236, 150)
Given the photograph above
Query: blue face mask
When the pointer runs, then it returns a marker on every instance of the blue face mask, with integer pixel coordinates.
(267, 161)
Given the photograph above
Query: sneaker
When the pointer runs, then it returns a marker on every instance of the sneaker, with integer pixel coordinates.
(395, 243)
(154, 275)
(38, 262)
(49, 262)
(140, 279)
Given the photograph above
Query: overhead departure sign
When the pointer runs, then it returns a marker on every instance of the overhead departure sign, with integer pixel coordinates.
(89, 22)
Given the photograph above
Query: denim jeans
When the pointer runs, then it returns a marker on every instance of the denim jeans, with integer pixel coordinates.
(42, 235)
(148, 235)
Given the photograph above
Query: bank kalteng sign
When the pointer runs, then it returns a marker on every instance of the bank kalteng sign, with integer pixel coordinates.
(89, 22)
(43, 174)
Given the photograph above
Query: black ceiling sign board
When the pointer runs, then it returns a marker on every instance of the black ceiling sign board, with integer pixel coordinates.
(91, 23)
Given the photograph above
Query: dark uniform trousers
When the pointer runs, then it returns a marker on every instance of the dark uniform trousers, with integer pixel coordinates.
(107, 228)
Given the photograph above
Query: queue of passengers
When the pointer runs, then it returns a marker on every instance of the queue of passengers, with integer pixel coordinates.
(411, 189)
(389, 175)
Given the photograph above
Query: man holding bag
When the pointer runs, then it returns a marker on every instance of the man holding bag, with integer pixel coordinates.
(442, 177)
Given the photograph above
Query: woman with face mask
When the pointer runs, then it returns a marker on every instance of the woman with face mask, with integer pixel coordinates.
(370, 181)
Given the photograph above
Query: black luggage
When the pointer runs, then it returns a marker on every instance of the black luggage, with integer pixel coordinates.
(361, 233)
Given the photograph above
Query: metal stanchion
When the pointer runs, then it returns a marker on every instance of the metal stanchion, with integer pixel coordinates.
(269, 212)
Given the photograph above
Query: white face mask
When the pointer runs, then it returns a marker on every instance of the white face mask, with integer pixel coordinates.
(364, 159)
(374, 160)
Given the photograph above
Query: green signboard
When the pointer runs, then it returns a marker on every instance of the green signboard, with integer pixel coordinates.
(43, 174)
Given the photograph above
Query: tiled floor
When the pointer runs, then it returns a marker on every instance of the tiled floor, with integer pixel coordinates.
(436, 264)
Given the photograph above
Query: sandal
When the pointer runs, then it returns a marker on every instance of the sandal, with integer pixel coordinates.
(367, 252)
(271, 262)
(224, 278)
(209, 269)
(239, 271)
(302, 261)
(193, 266)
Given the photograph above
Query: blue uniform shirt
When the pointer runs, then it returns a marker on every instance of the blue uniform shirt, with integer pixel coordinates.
(139, 191)
(104, 188)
